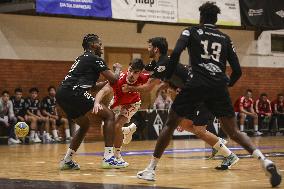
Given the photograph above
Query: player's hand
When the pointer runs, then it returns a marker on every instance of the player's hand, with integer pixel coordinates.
(125, 88)
(97, 107)
(180, 129)
(117, 66)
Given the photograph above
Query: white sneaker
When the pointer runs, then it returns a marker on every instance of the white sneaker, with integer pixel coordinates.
(18, 141)
(121, 161)
(12, 141)
(147, 174)
(128, 132)
(36, 140)
(257, 133)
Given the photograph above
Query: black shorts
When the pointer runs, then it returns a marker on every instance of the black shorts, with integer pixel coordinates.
(75, 103)
(198, 103)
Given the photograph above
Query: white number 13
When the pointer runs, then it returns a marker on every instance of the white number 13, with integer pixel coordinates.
(216, 50)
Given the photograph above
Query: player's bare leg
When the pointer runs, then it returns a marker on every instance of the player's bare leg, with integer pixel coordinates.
(162, 142)
(229, 125)
(52, 122)
(65, 124)
(118, 138)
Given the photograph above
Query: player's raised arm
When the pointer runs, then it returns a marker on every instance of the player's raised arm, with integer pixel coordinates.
(181, 45)
(110, 76)
(234, 63)
(141, 88)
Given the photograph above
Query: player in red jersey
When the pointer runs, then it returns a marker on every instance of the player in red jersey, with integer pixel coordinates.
(244, 106)
(263, 108)
(277, 107)
(124, 105)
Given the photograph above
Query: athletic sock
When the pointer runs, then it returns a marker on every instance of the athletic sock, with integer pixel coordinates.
(222, 149)
(242, 127)
(255, 128)
(257, 154)
(153, 163)
(69, 155)
(54, 133)
(108, 152)
(67, 133)
(117, 152)
(32, 134)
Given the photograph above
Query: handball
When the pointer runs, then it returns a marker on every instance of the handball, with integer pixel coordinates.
(21, 129)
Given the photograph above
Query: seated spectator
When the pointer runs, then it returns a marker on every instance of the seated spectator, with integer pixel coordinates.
(20, 111)
(7, 117)
(263, 109)
(163, 100)
(49, 110)
(33, 112)
(278, 109)
(244, 106)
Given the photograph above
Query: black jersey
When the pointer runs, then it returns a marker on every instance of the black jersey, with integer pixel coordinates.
(32, 105)
(49, 104)
(209, 50)
(176, 78)
(19, 106)
(85, 72)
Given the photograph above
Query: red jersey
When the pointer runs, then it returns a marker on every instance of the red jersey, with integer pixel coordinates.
(262, 107)
(243, 102)
(276, 105)
(121, 98)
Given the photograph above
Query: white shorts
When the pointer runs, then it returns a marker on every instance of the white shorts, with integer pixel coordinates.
(127, 110)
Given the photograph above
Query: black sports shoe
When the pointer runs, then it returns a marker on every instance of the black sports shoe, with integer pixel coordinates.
(275, 177)
(70, 165)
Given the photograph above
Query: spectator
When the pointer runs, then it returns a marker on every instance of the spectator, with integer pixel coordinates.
(7, 117)
(244, 106)
(163, 100)
(263, 109)
(49, 110)
(278, 109)
(33, 111)
(20, 111)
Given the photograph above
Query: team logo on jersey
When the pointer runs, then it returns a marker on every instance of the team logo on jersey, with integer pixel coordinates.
(186, 33)
(101, 63)
(200, 31)
(211, 67)
(161, 68)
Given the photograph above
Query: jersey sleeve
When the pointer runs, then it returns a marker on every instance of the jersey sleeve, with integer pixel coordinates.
(234, 63)
(181, 45)
(100, 65)
(145, 77)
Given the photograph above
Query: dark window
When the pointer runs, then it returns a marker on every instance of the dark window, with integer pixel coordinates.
(277, 43)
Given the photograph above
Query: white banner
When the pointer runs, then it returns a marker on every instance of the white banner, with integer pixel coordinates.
(188, 11)
(146, 10)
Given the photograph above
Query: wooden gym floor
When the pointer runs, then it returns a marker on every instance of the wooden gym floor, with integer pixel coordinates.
(185, 165)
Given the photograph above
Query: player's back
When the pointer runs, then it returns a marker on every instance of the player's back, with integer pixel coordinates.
(209, 50)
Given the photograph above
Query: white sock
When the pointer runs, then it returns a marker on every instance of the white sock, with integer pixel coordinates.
(117, 152)
(153, 163)
(69, 154)
(257, 154)
(54, 133)
(67, 133)
(125, 130)
(132, 126)
(255, 127)
(108, 152)
(242, 127)
(222, 149)
(36, 136)
(32, 134)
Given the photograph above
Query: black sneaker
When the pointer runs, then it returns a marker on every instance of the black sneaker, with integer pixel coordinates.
(70, 165)
(275, 177)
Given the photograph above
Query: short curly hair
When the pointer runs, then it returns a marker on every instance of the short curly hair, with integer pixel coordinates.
(208, 12)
